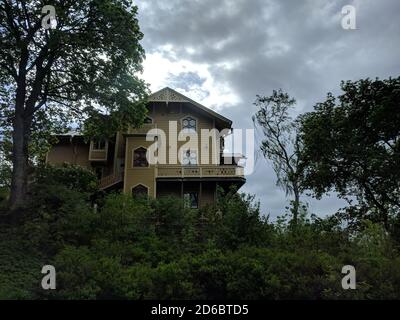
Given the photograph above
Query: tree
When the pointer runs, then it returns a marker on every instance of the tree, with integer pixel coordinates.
(5, 168)
(352, 146)
(88, 62)
(281, 143)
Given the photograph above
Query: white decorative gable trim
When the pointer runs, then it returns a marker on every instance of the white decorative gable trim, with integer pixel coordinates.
(170, 95)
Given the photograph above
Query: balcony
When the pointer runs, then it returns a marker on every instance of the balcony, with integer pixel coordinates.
(200, 172)
(98, 155)
(98, 150)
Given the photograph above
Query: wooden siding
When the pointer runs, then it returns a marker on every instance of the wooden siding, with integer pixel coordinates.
(162, 116)
(69, 153)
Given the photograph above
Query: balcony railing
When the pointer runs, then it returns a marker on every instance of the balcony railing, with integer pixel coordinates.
(110, 180)
(98, 155)
(199, 171)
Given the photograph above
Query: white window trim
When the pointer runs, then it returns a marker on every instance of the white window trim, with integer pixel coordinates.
(93, 149)
(194, 118)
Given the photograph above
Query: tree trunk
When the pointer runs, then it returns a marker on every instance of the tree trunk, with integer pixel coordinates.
(19, 179)
(296, 205)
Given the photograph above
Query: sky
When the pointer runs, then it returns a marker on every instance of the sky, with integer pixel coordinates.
(223, 53)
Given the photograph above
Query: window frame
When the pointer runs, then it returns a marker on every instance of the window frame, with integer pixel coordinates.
(140, 185)
(133, 158)
(189, 204)
(94, 144)
(189, 130)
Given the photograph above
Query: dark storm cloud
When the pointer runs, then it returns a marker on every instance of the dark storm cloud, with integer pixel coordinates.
(295, 45)
(185, 80)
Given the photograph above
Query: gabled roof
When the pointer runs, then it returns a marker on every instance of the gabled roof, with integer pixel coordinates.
(170, 95)
(71, 133)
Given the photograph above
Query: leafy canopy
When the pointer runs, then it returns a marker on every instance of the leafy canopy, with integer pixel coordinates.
(352, 146)
(88, 64)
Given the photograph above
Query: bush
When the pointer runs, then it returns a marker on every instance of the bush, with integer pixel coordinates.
(70, 176)
(20, 267)
(158, 249)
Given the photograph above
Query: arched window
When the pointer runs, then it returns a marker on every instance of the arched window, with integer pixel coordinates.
(139, 157)
(140, 191)
(189, 124)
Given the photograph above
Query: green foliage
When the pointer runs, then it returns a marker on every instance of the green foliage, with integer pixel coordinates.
(352, 146)
(158, 249)
(5, 165)
(90, 59)
(281, 143)
(3, 194)
(58, 210)
(235, 220)
(19, 267)
(85, 67)
(70, 176)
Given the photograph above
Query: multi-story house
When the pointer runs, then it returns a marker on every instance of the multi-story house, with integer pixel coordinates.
(178, 151)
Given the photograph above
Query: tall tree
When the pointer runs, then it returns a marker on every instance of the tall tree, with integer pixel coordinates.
(352, 146)
(281, 143)
(88, 61)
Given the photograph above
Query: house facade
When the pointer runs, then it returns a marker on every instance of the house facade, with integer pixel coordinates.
(178, 151)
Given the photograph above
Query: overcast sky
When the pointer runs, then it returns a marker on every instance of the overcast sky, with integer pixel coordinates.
(222, 53)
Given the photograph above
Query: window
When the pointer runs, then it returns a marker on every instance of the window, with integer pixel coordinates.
(189, 124)
(139, 158)
(189, 158)
(99, 144)
(139, 191)
(191, 200)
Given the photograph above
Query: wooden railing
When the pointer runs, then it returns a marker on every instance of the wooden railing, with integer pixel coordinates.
(199, 171)
(110, 180)
(97, 155)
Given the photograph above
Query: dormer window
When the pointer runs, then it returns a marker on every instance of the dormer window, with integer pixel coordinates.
(189, 124)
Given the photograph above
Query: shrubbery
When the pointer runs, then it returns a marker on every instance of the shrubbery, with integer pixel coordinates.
(157, 249)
